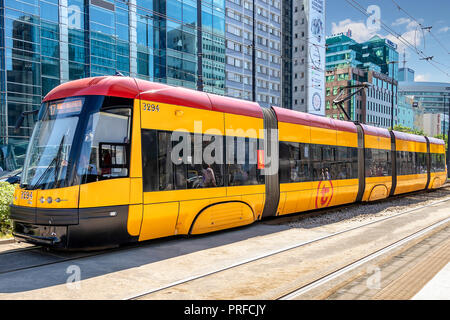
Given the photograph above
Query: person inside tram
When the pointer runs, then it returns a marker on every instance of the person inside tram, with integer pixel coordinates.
(107, 161)
(342, 172)
(322, 175)
(327, 174)
(209, 179)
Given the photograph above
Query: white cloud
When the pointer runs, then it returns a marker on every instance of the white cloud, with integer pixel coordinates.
(422, 77)
(413, 35)
(401, 21)
(410, 24)
(443, 30)
(360, 31)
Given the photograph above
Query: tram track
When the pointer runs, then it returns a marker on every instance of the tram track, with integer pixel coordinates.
(292, 295)
(324, 278)
(41, 256)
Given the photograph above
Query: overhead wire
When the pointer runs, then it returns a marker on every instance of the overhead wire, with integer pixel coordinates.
(359, 7)
(420, 24)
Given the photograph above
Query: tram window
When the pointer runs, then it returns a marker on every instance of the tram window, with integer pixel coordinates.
(354, 153)
(377, 163)
(243, 168)
(98, 132)
(327, 161)
(368, 162)
(437, 162)
(401, 163)
(165, 165)
(207, 174)
(343, 161)
(304, 171)
(284, 171)
(294, 166)
(420, 163)
(414, 163)
(388, 163)
(149, 160)
(316, 162)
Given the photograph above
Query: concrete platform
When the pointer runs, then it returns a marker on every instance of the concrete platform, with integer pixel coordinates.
(438, 288)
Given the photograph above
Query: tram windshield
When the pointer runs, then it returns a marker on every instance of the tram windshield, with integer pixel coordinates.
(50, 144)
(78, 140)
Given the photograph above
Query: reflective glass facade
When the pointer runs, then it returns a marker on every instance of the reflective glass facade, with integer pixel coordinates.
(254, 50)
(227, 47)
(47, 42)
(29, 68)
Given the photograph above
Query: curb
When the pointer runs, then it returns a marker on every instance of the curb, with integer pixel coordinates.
(7, 241)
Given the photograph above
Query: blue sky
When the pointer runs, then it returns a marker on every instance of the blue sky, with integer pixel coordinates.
(341, 16)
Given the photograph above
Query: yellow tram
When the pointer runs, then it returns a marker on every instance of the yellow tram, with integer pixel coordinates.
(105, 167)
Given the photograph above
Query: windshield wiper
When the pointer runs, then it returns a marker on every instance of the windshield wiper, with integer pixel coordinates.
(53, 164)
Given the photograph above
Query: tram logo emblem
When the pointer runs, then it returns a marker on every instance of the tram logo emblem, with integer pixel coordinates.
(325, 192)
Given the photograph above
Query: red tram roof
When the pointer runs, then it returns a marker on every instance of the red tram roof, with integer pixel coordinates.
(196, 99)
(374, 131)
(306, 119)
(409, 137)
(131, 88)
(436, 141)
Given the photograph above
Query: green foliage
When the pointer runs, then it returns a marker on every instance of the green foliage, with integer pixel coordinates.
(401, 128)
(443, 137)
(6, 197)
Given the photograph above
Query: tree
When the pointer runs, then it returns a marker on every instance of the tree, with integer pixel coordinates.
(401, 128)
(443, 137)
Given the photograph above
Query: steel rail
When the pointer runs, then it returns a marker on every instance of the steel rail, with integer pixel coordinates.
(274, 252)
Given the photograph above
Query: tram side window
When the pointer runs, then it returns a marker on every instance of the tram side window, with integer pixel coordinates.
(316, 162)
(286, 157)
(149, 140)
(165, 165)
(327, 163)
(294, 162)
(401, 163)
(347, 160)
(442, 163)
(388, 162)
(242, 162)
(161, 173)
(105, 152)
(421, 163)
(208, 174)
(304, 163)
(409, 163)
(378, 163)
(437, 162)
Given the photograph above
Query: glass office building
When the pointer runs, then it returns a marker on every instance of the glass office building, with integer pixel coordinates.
(433, 96)
(46, 42)
(349, 63)
(375, 54)
(253, 50)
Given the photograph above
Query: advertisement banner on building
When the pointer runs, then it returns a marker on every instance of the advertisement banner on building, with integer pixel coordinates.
(316, 57)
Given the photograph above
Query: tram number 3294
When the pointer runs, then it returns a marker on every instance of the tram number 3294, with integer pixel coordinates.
(151, 107)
